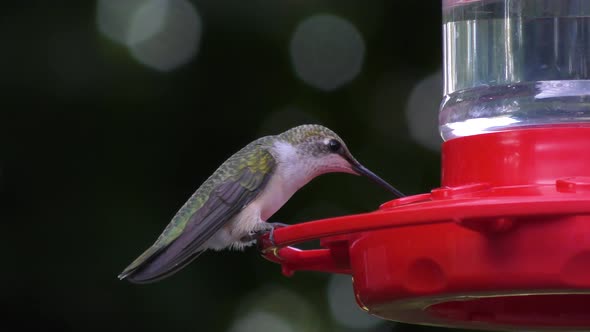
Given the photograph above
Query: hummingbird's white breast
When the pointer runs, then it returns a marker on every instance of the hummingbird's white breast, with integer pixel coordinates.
(292, 172)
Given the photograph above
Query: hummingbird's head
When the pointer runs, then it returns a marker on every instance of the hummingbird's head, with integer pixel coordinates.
(319, 150)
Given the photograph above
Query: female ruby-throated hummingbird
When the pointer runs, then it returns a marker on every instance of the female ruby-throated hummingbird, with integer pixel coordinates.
(231, 207)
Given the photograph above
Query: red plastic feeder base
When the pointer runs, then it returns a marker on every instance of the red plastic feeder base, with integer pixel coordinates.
(504, 244)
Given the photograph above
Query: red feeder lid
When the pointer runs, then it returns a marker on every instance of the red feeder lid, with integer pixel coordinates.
(503, 244)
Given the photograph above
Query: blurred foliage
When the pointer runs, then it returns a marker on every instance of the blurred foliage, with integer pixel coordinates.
(99, 151)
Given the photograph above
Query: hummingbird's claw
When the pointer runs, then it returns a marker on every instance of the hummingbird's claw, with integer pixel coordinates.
(250, 237)
(271, 236)
(256, 235)
(277, 224)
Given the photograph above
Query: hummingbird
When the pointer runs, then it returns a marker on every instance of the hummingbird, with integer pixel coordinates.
(231, 208)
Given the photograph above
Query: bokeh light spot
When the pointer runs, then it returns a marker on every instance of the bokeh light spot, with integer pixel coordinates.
(177, 39)
(274, 308)
(147, 22)
(161, 34)
(113, 16)
(261, 321)
(327, 51)
(422, 111)
(343, 305)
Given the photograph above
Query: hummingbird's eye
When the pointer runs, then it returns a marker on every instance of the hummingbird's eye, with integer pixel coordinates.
(334, 145)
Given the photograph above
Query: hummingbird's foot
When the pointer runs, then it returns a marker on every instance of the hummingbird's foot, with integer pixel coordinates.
(268, 228)
(252, 236)
(255, 234)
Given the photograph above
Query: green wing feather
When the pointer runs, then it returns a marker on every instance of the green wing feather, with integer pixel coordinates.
(231, 187)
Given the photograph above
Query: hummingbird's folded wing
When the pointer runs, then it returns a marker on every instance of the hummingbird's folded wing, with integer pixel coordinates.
(224, 201)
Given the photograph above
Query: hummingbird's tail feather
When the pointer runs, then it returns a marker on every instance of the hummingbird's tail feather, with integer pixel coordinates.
(152, 271)
(139, 262)
(163, 260)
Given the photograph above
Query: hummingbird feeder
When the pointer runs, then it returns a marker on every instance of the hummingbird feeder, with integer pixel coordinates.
(504, 242)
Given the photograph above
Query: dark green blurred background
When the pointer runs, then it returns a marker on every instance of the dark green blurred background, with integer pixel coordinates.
(114, 112)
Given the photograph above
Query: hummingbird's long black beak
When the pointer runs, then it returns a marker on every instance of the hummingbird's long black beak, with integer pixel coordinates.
(362, 170)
